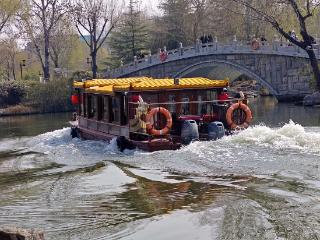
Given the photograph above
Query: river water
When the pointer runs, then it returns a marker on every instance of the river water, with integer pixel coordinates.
(263, 183)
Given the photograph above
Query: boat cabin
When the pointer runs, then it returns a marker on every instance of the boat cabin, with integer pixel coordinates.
(142, 108)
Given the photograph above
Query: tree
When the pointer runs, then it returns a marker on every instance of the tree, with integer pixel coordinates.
(8, 53)
(199, 8)
(39, 19)
(303, 10)
(131, 37)
(63, 40)
(175, 14)
(7, 9)
(98, 19)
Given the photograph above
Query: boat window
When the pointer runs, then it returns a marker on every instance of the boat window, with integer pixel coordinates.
(124, 111)
(92, 108)
(116, 109)
(201, 106)
(185, 107)
(88, 105)
(83, 104)
(105, 113)
(211, 95)
(171, 107)
(100, 107)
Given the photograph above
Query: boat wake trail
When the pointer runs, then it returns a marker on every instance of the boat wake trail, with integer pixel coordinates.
(291, 136)
(254, 151)
(59, 147)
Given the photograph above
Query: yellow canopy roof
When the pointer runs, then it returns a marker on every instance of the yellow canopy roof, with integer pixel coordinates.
(107, 82)
(184, 83)
(109, 86)
(103, 90)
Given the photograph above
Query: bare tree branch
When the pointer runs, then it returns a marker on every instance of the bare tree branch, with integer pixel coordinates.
(306, 42)
(97, 18)
(39, 18)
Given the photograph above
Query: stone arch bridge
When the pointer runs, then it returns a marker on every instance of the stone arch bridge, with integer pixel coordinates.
(283, 69)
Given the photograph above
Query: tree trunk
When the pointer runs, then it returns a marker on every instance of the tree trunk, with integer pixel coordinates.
(46, 70)
(14, 71)
(8, 70)
(94, 64)
(315, 67)
(55, 58)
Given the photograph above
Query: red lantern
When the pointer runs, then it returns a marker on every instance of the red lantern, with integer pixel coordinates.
(75, 99)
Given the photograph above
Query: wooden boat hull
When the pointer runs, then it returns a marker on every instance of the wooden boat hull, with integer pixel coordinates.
(149, 145)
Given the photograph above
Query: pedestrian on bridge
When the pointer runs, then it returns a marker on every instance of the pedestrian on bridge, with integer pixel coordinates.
(263, 40)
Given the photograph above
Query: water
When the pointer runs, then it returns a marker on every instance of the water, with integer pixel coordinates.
(263, 183)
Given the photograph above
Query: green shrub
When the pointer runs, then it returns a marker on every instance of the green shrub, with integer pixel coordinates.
(79, 75)
(11, 93)
(53, 96)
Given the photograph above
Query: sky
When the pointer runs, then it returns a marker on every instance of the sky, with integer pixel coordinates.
(150, 5)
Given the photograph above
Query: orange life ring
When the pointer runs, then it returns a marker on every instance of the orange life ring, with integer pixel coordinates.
(163, 56)
(255, 45)
(149, 123)
(244, 108)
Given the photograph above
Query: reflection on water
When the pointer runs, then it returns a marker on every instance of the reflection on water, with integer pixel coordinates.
(32, 125)
(95, 200)
(160, 197)
(263, 183)
(268, 111)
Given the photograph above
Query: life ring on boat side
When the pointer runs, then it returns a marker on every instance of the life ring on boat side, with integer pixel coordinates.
(163, 56)
(255, 45)
(149, 123)
(245, 109)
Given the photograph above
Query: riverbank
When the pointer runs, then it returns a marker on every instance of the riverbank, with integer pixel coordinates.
(29, 97)
(18, 110)
(23, 110)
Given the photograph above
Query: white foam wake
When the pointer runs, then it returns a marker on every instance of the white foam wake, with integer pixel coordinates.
(61, 148)
(291, 136)
(256, 150)
(248, 150)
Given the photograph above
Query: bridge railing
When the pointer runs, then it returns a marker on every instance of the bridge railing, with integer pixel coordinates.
(234, 47)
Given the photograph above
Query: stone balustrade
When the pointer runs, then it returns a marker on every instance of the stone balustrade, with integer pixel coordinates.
(213, 48)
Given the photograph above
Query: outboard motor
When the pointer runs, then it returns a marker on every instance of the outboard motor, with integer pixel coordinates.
(189, 131)
(215, 130)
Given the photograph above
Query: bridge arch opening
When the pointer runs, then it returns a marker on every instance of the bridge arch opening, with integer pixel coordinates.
(221, 69)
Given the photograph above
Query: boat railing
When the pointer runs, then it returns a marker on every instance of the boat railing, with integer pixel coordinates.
(210, 110)
(231, 100)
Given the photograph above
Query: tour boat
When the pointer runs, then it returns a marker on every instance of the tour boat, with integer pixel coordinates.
(156, 114)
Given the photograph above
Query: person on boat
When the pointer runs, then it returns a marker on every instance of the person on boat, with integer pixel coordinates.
(135, 98)
(223, 96)
(240, 94)
(74, 116)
